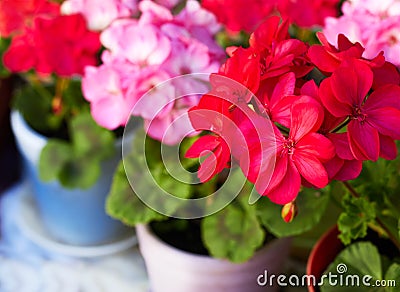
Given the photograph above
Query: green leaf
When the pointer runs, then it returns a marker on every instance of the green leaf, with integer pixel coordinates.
(362, 259)
(353, 222)
(89, 139)
(4, 43)
(308, 214)
(34, 103)
(233, 233)
(124, 205)
(80, 173)
(53, 158)
(392, 278)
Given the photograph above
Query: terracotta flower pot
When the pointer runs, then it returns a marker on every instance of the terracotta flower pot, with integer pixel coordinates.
(174, 270)
(324, 252)
(72, 216)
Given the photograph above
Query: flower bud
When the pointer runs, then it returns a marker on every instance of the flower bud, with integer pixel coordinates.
(289, 211)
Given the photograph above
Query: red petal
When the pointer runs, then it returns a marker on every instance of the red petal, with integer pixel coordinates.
(311, 169)
(332, 104)
(386, 74)
(205, 143)
(364, 141)
(306, 118)
(385, 96)
(207, 169)
(341, 143)
(285, 86)
(288, 188)
(333, 166)
(351, 169)
(388, 149)
(325, 61)
(386, 120)
(316, 145)
(351, 82)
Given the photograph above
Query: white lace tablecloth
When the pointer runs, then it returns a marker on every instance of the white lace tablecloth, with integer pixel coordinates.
(27, 267)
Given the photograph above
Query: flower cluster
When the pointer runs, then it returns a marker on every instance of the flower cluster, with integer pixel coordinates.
(375, 25)
(49, 42)
(100, 14)
(304, 13)
(141, 53)
(318, 133)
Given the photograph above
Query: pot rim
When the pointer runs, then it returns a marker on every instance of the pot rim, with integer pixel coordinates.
(145, 228)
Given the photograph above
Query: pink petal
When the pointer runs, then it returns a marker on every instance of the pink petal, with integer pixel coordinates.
(388, 149)
(311, 169)
(306, 118)
(332, 104)
(364, 141)
(386, 120)
(288, 188)
(102, 108)
(316, 145)
(351, 169)
(351, 83)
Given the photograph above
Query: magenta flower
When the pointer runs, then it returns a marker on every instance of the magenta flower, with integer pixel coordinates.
(373, 120)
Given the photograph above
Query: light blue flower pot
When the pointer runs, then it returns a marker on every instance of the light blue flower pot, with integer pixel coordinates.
(72, 216)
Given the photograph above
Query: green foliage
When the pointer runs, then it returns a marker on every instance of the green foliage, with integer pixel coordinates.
(124, 205)
(149, 176)
(77, 164)
(353, 222)
(308, 214)
(377, 202)
(35, 105)
(4, 43)
(234, 232)
(362, 259)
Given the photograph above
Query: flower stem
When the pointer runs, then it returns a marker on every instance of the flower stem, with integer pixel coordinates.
(341, 126)
(377, 219)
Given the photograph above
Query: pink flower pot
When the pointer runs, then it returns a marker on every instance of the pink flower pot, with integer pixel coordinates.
(174, 270)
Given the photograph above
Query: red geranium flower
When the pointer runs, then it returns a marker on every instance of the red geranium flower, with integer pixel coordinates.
(328, 58)
(62, 45)
(231, 12)
(15, 14)
(343, 166)
(277, 53)
(373, 119)
(300, 155)
(308, 13)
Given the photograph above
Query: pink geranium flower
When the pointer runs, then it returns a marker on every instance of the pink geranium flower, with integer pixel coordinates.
(154, 47)
(99, 14)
